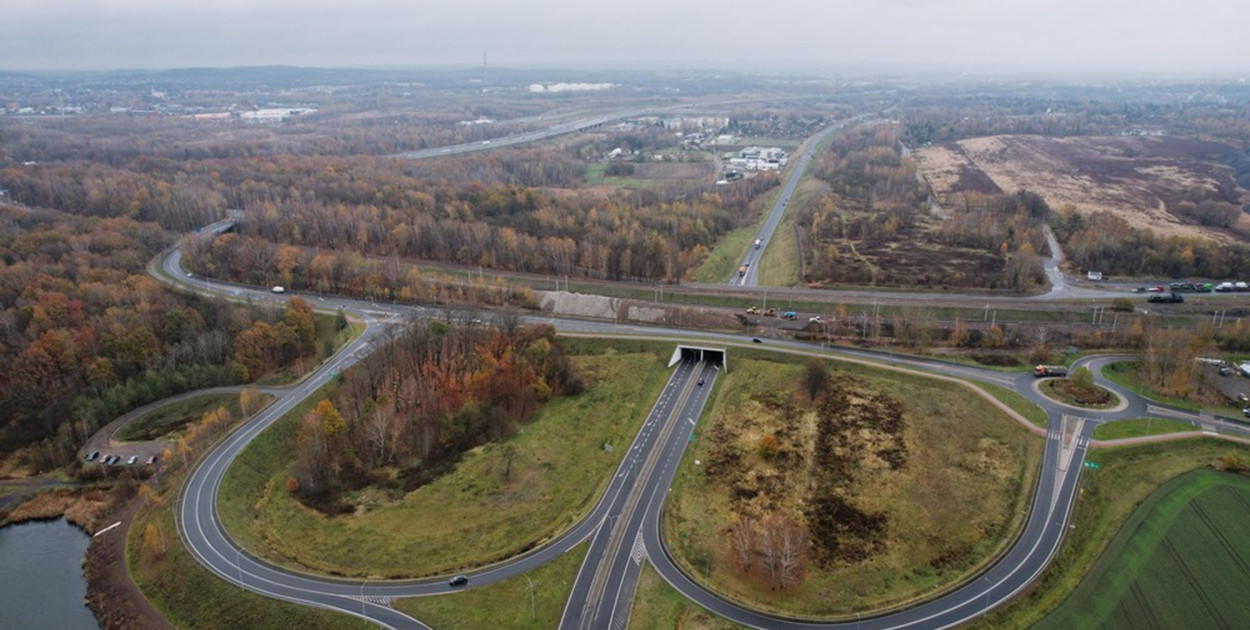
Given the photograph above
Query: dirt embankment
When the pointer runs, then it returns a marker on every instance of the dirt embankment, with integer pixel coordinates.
(566, 304)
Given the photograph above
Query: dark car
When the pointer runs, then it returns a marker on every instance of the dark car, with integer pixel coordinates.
(756, 340)
(459, 580)
(1170, 298)
(92, 455)
(700, 383)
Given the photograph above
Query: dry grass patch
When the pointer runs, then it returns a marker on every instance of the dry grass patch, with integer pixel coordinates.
(1135, 178)
(887, 488)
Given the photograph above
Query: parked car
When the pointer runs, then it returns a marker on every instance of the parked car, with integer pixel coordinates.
(92, 455)
(132, 460)
(151, 460)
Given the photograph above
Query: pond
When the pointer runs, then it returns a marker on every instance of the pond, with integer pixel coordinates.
(41, 579)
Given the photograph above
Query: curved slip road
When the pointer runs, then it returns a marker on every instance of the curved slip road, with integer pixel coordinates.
(625, 524)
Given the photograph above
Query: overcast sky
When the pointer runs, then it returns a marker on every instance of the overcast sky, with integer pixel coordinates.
(1167, 36)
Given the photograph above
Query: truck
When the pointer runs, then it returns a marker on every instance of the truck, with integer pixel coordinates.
(789, 315)
(758, 242)
(742, 271)
(1050, 370)
(278, 290)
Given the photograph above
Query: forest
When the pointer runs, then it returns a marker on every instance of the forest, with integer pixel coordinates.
(414, 406)
(86, 334)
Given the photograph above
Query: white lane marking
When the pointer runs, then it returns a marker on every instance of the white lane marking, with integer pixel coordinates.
(107, 528)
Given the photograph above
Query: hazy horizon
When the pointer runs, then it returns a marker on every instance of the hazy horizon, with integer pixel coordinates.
(978, 36)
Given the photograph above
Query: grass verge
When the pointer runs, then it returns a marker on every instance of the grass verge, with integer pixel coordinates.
(1182, 560)
(1127, 475)
(171, 418)
(780, 264)
(189, 596)
(1018, 403)
(471, 516)
(511, 604)
(1139, 427)
(1090, 397)
(658, 605)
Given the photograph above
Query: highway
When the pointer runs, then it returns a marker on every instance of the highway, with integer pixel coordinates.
(756, 253)
(623, 528)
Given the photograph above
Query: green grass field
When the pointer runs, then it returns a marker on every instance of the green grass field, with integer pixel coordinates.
(727, 256)
(1127, 475)
(1018, 403)
(658, 605)
(1139, 427)
(470, 516)
(510, 604)
(171, 418)
(1182, 560)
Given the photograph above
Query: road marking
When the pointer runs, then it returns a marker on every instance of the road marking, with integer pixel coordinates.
(639, 553)
(107, 528)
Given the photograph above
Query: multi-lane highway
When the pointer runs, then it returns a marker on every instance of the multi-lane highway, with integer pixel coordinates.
(624, 527)
(753, 255)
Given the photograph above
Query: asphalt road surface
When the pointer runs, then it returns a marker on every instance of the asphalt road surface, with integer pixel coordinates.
(755, 254)
(624, 525)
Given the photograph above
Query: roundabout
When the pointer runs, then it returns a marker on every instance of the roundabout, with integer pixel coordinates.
(624, 526)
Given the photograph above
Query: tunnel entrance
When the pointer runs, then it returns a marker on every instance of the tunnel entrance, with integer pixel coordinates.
(715, 356)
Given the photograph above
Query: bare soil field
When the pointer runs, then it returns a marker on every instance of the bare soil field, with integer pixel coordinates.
(1138, 178)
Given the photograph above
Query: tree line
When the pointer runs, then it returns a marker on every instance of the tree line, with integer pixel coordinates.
(86, 335)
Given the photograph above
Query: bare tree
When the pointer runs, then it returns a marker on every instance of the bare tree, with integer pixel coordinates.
(793, 540)
(744, 542)
(770, 550)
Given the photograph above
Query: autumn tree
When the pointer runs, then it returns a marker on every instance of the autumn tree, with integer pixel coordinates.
(153, 546)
